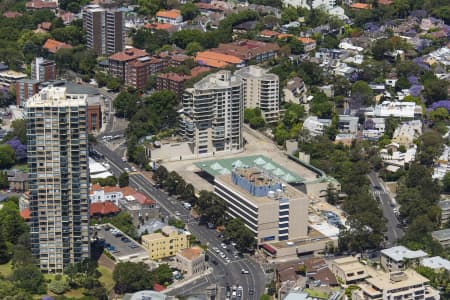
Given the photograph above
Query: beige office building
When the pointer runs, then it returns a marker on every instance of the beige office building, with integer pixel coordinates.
(260, 89)
(349, 270)
(165, 243)
(191, 261)
(273, 210)
(213, 114)
(401, 285)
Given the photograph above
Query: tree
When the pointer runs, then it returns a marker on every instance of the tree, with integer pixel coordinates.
(124, 179)
(131, 277)
(125, 105)
(160, 175)
(362, 93)
(439, 114)
(430, 147)
(4, 253)
(12, 226)
(435, 90)
(402, 83)
(163, 274)
(30, 279)
(58, 287)
(189, 11)
(4, 183)
(7, 158)
(446, 183)
(188, 194)
(193, 47)
(108, 181)
(254, 117)
(236, 230)
(20, 150)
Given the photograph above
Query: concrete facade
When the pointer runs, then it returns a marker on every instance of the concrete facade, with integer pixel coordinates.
(212, 116)
(260, 89)
(58, 178)
(274, 211)
(165, 243)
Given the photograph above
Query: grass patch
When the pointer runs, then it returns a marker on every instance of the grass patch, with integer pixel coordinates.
(6, 269)
(106, 279)
(316, 294)
(74, 293)
(21, 167)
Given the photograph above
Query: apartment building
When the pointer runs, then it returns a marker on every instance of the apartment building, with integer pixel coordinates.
(406, 284)
(43, 69)
(274, 211)
(442, 237)
(260, 89)
(165, 243)
(58, 178)
(314, 4)
(348, 124)
(445, 211)
(138, 71)
(316, 126)
(212, 115)
(118, 62)
(295, 91)
(175, 82)
(237, 53)
(25, 88)
(399, 257)
(105, 29)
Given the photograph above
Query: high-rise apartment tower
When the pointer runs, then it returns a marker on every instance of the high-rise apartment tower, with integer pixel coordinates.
(105, 29)
(58, 178)
(213, 113)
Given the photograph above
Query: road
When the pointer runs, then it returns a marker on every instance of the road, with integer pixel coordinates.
(224, 273)
(394, 233)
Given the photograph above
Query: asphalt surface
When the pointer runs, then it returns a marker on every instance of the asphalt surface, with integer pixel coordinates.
(394, 233)
(224, 273)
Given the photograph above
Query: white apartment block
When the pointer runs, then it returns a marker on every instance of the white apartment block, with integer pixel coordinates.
(58, 178)
(260, 89)
(326, 4)
(396, 109)
(213, 114)
(395, 258)
(401, 285)
(274, 211)
(316, 126)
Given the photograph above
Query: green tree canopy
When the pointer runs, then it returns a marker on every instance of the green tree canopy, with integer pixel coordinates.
(131, 277)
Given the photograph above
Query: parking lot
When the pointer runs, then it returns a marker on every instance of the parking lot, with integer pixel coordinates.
(119, 245)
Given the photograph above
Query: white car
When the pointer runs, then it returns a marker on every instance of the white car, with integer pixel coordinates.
(244, 271)
(127, 170)
(233, 244)
(133, 169)
(222, 255)
(223, 246)
(227, 260)
(177, 213)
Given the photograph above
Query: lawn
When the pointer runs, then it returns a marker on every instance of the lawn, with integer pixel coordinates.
(6, 269)
(106, 278)
(21, 167)
(316, 294)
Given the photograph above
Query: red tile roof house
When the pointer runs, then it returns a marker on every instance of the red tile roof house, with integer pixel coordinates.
(12, 14)
(100, 209)
(39, 4)
(53, 46)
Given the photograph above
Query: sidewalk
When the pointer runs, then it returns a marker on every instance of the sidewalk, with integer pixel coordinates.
(189, 280)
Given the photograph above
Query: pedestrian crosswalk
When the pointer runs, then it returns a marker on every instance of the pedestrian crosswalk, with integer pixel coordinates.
(378, 193)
